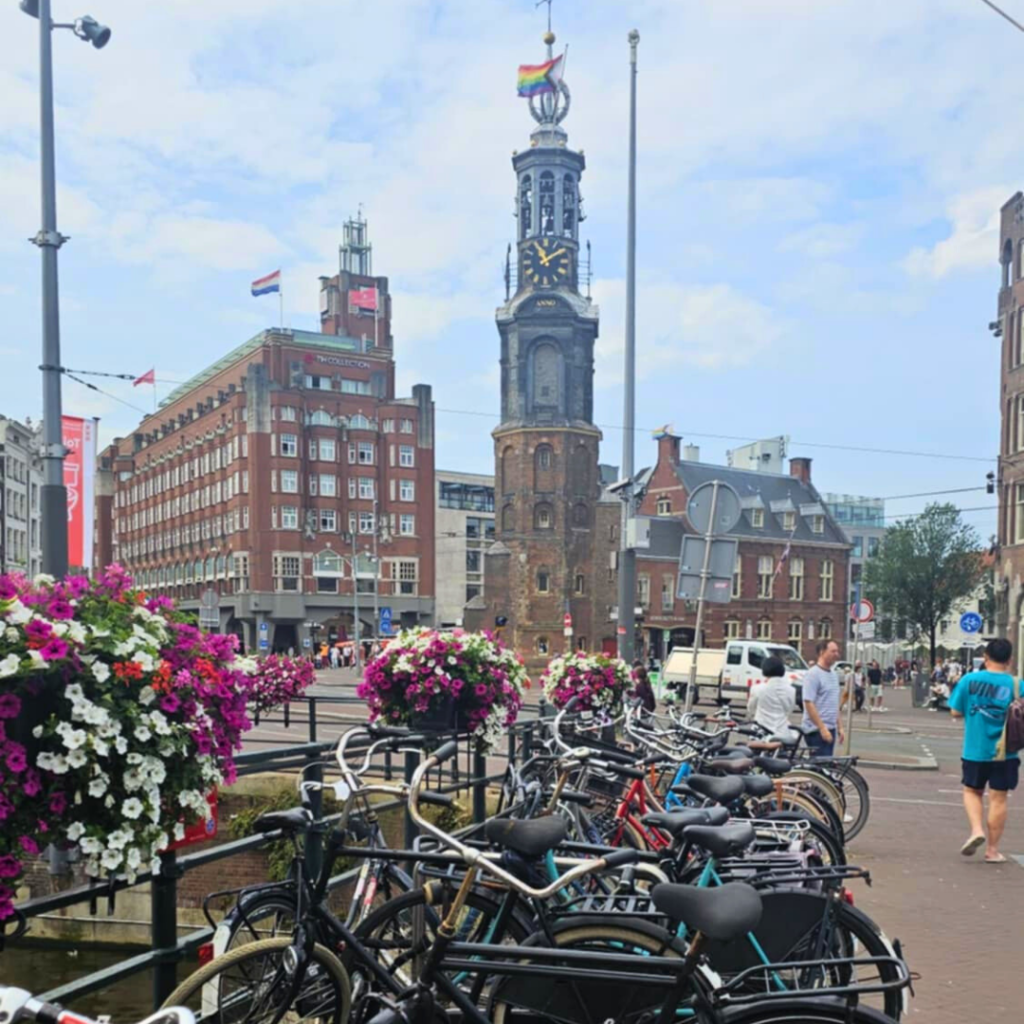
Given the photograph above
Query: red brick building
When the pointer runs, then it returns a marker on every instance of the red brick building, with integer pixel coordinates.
(800, 604)
(261, 477)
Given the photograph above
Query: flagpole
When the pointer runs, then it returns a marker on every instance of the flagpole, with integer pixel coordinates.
(154, 393)
(376, 316)
(280, 302)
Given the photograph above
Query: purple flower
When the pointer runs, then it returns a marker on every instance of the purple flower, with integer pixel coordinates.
(58, 803)
(15, 760)
(480, 689)
(32, 784)
(10, 866)
(54, 649)
(38, 631)
(28, 844)
(169, 704)
(60, 609)
(10, 705)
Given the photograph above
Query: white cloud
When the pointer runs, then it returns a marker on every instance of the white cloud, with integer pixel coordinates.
(713, 327)
(973, 241)
(823, 240)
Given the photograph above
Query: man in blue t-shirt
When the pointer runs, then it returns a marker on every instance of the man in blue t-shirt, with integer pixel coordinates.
(981, 700)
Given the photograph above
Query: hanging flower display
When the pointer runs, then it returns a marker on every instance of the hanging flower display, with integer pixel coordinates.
(278, 680)
(448, 680)
(599, 683)
(118, 718)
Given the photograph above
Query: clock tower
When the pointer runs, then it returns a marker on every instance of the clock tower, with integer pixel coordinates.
(539, 572)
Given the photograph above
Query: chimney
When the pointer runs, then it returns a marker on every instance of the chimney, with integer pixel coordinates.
(668, 449)
(691, 453)
(801, 469)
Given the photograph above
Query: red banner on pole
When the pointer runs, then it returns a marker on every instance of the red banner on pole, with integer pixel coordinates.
(79, 436)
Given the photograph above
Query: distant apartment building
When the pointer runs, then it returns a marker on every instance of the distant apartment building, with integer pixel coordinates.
(863, 522)
(464, 517)
(20, 480)
(286, 485)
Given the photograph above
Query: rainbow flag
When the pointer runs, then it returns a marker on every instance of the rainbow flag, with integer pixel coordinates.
(536, 79)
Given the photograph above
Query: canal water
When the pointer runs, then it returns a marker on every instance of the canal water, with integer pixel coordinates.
(41, 968)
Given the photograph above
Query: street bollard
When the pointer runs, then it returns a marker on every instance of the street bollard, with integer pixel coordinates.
(164, 927)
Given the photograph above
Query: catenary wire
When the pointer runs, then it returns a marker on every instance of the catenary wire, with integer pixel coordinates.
(93, 387)
(741, 437)
(1016, 24)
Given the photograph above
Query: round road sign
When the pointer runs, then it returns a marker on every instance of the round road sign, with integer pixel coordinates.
(970, 622)
(864, 612)
(727, 508)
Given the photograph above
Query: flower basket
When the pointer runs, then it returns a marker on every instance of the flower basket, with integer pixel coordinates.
(118, 720)
(599, 683)
(445, 681)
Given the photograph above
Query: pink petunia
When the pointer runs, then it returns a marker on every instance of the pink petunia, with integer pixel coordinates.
(10, 705)
(54, 649)
(28, 844)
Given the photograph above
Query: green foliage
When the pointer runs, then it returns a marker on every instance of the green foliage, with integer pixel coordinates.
(925, 567)
(279, 852)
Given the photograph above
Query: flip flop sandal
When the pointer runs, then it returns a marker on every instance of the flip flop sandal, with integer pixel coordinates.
(995, 860)
(971, 846)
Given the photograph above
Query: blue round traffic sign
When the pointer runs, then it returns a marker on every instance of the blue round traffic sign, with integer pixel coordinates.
(970, 622)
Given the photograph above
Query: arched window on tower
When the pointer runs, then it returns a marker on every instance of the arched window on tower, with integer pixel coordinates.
(547, 203)
(507, 457)
(508, 518)
(547, 378)
(1007, 262)
(543, 468)
(580, 515)
(525, 206)
(582, 481)
(569, 205)
(543, 516)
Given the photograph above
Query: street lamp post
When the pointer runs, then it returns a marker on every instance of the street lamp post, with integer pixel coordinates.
(53, 495)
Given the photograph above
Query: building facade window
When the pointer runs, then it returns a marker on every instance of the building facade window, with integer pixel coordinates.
(737, 577)
(328, 485)
(543, 518)
(366, 524)
(731, 629)
(542, 645)
(289, 481)
(543, 581)
(757, 518)
(365, 453)
(817, 524)
(328, 520)
(873, 544)
(764, 629)
(858, 547)
(289, 517)
(828, 572)
(668, 593)
(366, 488)
(796, 579)
(406, 456)
(287, 572)
(579, 583)
(407, 525)
(643, 590)
(664, 507)
(407, 574)
(406, 426)
(289, 445)
(765, 576)
(789, 521)
(794, 632)
(407, 490)
(825, 629)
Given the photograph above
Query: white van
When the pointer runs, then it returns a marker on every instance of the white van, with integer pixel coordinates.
(741, 670)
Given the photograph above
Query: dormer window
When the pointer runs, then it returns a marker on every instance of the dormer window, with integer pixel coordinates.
(757, 518)
(664, 507)
(817, 524)
(789, 521)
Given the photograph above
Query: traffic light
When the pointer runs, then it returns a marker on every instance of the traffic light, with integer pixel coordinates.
(500, 621)
(990, 483)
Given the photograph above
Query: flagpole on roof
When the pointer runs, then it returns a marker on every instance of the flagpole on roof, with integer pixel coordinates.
(280, 302)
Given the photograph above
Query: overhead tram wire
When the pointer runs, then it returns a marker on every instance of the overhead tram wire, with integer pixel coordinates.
(747, 439)
(93, 387)
(1016, 24)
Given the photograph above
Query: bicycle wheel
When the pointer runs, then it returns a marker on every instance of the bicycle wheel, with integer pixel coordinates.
(250, 985)
(858, 802)
(267, 915)
(801, 1011)
(388, 933)
(595, 1001)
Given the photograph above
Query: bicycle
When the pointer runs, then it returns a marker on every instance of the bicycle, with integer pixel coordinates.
(18, 1006)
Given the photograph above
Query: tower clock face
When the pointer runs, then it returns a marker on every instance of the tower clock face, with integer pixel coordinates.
(545, 262)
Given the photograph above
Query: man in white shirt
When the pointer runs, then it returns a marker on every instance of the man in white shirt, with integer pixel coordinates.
(771, 703)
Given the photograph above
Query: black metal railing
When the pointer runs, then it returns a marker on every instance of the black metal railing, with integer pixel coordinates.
(466, 773)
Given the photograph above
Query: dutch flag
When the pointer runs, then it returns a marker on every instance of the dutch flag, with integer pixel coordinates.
(268, 284)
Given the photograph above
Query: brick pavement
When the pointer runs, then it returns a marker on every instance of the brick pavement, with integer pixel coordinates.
(959, 919)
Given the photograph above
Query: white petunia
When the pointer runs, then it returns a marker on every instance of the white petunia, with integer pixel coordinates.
(77, 758)
(98, 786)
(179, 830)
(75, 831)
(11, 634)
(73, 738)
(142, 734)
(145, 659)
(43, 579)
(37, 731)
(9, 666)
(147, 696)
(132, 807)
(60, 628)
(90, 845)
(73, 692)
(100, 671)
(111, 859)
(120, 838)
(133, 858)
(134, 758)
(38, 661)
(59, 765)
(120, 744)
(17, 614)
(99, 632)
(76, 631)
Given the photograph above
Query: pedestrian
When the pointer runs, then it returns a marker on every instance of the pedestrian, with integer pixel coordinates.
(334, 656)
(643, 689)
(858, 687)
(981, 699)
(875, 681)
(821, 701)
(772, 702)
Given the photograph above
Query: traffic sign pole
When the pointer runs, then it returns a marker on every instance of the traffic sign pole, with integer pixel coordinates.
(704, 573)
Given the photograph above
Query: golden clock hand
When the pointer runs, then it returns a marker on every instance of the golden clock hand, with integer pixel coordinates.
(557, 252)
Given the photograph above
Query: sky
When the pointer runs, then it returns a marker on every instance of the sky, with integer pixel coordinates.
(818, 195)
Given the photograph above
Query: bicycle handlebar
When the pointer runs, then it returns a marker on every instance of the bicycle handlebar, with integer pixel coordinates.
(17, 1005)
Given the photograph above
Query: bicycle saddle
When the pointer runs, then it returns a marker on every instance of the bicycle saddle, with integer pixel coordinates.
(773, 765)
(758, 785)
(530, 838)
(721, 791)
(674, 822)
(724, 912)
(731, 765)
(296, 819)
(723, 840)
(738, 751)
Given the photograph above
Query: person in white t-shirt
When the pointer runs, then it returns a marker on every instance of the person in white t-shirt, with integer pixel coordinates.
(773, 701)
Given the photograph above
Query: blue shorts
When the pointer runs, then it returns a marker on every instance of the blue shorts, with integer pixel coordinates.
(998, 775)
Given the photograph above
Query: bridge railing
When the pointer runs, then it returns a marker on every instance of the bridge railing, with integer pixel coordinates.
(317, 716)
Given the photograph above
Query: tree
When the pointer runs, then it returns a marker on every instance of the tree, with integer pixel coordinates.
(925, 567)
